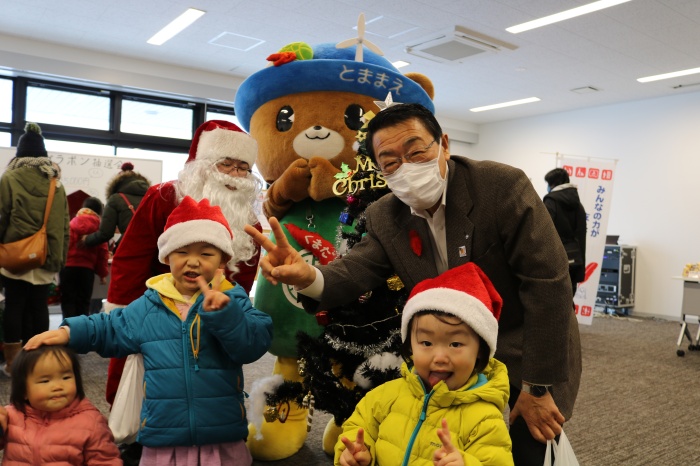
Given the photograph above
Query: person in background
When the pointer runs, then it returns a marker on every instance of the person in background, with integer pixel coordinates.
(195, 330)
(77, 277)
(444, 212)
(452, 391)
(569, 217)
(50, 421)
(123, 193)
(24, 190)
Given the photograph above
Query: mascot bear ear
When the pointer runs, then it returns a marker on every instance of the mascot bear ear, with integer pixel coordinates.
(424, 82)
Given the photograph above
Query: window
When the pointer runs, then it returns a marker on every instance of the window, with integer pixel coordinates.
(172, 162)
(5, 140)
(78, 147)
(5, 100)
(67, 108)
(153, 119)
(213, 115)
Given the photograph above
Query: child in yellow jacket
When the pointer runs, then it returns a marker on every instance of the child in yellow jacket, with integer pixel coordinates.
(447, 408)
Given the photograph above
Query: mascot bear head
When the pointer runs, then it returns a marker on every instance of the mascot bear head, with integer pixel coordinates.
(310, 104)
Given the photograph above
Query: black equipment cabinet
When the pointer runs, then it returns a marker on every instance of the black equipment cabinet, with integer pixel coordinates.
(616, 287)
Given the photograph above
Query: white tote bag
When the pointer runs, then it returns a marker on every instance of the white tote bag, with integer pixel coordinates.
(563, 453)
(125, 417)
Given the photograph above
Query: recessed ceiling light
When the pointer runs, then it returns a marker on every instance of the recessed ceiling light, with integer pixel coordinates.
(505, 104)
(568, 14)
(400, 63)
(675, 74)
(176, 26)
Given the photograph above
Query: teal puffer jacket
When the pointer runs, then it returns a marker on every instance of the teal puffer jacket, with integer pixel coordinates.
(192, 398)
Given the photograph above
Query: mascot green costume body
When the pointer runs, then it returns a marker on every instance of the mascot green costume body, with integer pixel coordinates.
(304, 111)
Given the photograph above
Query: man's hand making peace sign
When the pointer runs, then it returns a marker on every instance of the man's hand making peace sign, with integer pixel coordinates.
(282, 262)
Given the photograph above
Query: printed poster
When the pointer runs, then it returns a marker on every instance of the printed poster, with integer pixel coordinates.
(594, 178)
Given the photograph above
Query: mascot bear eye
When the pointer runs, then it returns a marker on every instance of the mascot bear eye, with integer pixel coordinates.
(353, 116)
(285, 119)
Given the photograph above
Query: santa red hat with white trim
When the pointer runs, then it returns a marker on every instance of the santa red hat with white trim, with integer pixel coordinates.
(218, 139)
(191, 222)
(465, 292)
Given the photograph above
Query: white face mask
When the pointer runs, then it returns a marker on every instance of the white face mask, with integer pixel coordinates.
(418, 185)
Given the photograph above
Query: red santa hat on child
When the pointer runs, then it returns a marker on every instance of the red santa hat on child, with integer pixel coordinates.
(192, 222)
(218, 139)
(465, 292)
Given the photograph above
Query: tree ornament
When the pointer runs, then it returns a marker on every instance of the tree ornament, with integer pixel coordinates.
(271, 414)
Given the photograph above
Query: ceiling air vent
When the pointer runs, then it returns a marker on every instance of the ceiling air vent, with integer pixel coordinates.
(456, 45)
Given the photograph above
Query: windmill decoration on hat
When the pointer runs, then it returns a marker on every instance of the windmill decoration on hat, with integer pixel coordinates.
(360, 41)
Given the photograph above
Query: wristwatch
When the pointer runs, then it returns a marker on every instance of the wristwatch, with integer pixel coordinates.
(538, 391)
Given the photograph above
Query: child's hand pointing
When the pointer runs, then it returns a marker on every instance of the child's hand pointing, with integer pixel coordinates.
(355, 453)
(448, 454)
(214, 299)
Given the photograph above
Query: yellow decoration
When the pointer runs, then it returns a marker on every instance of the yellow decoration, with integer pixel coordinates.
(271, 414)
(394, 283)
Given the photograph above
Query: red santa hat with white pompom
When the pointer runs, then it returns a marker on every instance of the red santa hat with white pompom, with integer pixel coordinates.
(193, 222)
(465, 292)
(218, 139)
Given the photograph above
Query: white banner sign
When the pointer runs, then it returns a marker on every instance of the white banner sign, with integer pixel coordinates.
(91, 173)
(594, 178)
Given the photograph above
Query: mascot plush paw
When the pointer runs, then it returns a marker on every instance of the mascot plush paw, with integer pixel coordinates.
(305, 110)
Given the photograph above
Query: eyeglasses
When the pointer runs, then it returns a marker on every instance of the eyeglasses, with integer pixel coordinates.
(388, 165)
(228, 168)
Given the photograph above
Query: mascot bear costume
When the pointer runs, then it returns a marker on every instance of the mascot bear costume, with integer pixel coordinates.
(304, 110)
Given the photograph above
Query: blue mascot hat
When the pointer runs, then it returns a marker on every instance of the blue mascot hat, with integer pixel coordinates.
(330, 69)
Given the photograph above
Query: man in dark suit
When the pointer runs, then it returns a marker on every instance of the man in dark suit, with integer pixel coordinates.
(461, 210)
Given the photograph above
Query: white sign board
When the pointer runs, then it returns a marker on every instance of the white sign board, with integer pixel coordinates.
(91, 173)
(594, 179)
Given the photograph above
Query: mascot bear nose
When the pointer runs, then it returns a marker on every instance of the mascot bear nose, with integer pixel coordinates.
(317, 128)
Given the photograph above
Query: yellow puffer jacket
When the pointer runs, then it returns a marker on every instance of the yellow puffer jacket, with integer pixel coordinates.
(391, 418)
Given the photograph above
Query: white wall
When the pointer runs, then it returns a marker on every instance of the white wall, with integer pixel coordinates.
(655, 199)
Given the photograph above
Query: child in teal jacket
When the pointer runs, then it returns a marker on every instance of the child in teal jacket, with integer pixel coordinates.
(195, 331)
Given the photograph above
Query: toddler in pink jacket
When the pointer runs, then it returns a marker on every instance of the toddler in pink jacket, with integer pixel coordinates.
(50, 420)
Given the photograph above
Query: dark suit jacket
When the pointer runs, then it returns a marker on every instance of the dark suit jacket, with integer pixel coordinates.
(495, 217)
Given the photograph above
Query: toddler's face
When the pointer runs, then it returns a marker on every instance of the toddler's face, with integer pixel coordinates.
(443, 351)
(51, 385)
(191, 261)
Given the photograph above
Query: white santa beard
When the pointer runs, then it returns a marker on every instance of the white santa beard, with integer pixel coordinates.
(200, 180)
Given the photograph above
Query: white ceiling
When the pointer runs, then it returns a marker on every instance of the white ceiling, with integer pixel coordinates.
(607, 50)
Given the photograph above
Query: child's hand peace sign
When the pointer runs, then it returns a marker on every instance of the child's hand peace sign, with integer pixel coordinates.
(214, 299)
(355, 453)
(448, 454)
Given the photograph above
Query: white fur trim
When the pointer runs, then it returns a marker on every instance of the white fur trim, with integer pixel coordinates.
(109, 307)
(258, 400)
(220, 143)
(458, 303)
(194, 231)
